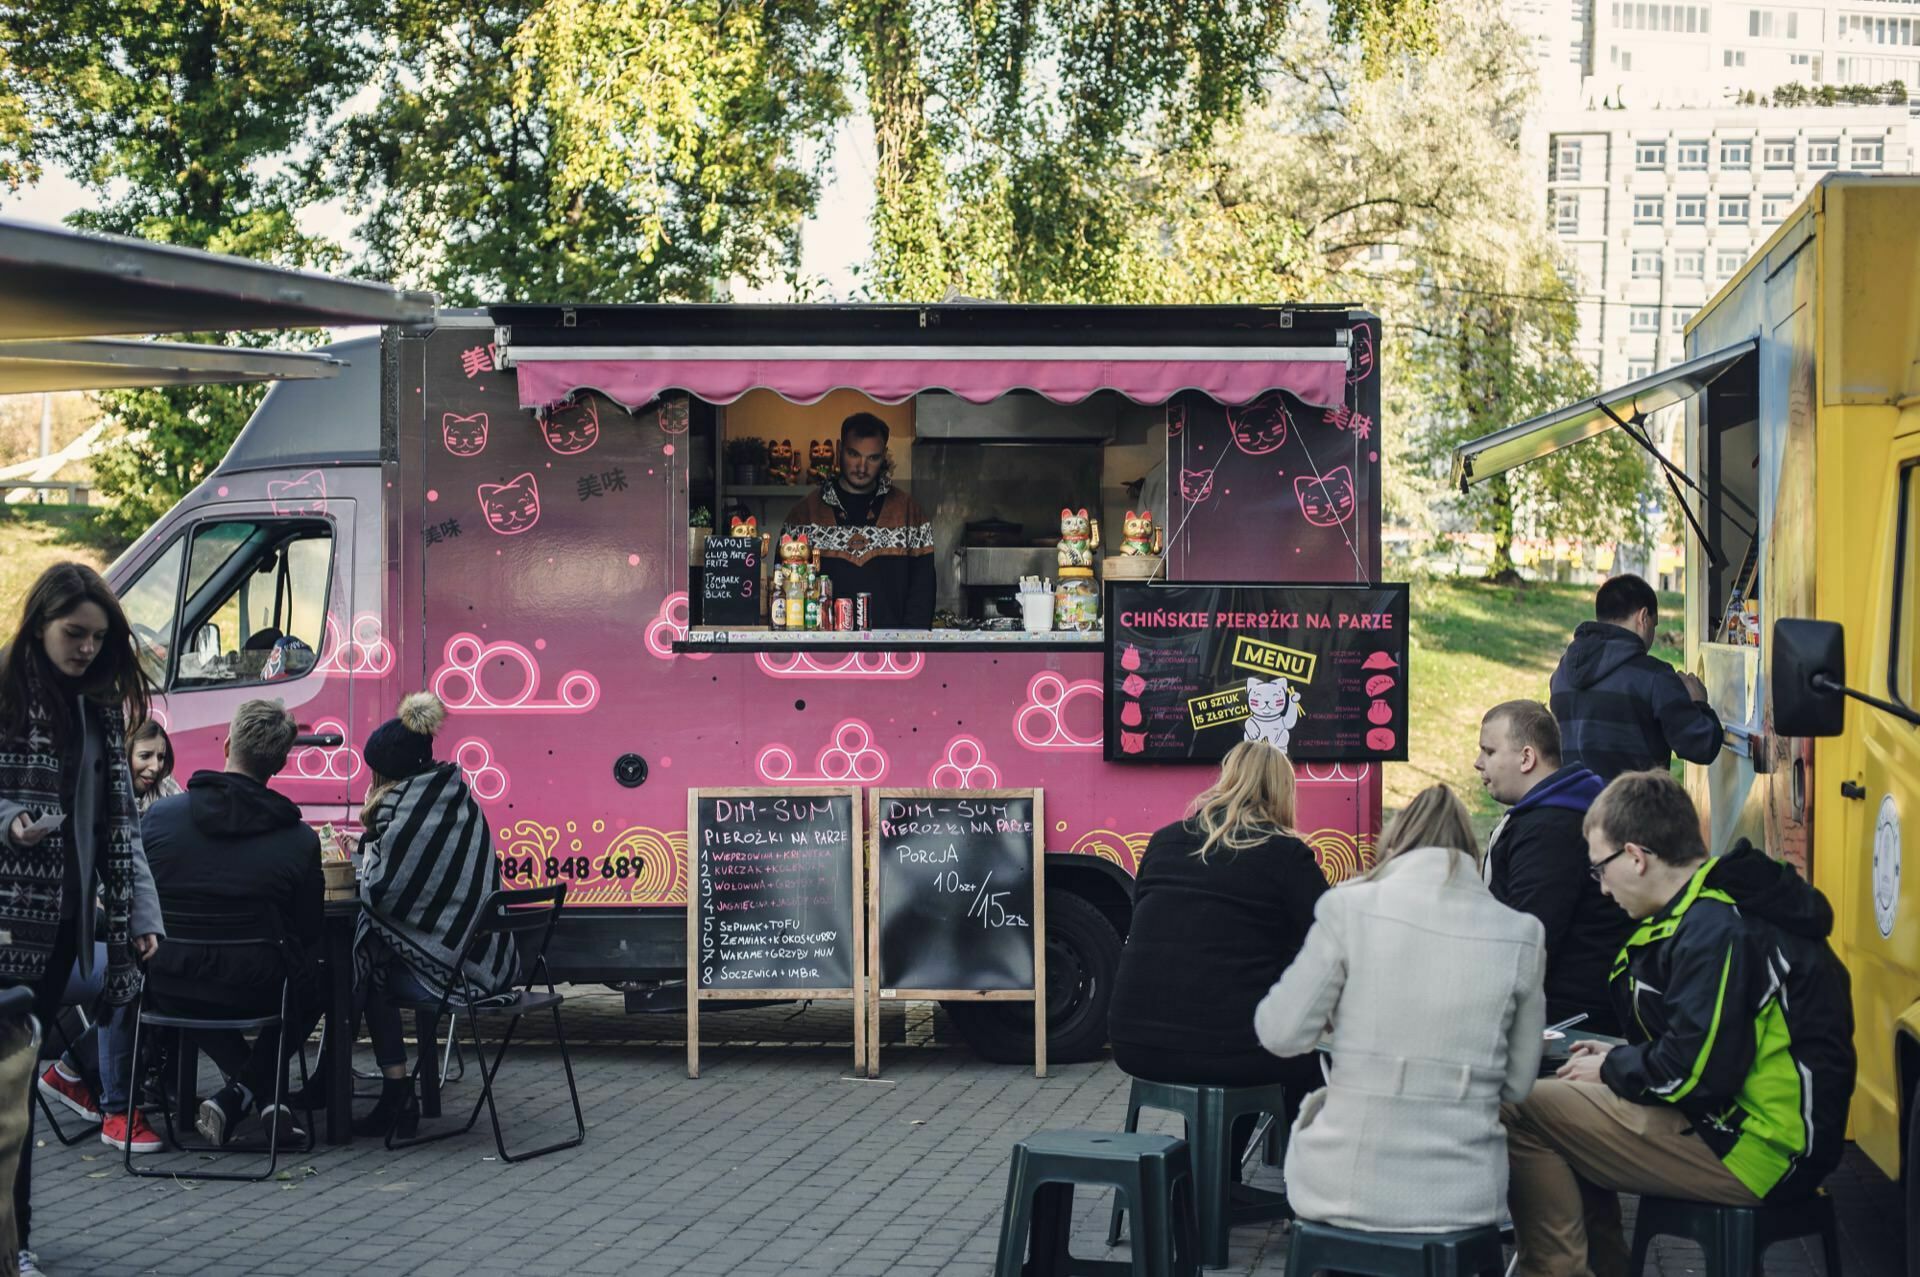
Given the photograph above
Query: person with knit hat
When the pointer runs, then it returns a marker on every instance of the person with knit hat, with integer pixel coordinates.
(426, 864)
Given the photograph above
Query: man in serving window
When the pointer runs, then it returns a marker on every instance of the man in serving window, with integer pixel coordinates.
(873, 538)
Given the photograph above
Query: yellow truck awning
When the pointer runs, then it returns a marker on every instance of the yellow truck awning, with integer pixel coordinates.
(1501, 451)
(106, 363)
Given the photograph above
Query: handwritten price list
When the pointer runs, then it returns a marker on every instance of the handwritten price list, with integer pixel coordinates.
(956, 892)
(774, 892)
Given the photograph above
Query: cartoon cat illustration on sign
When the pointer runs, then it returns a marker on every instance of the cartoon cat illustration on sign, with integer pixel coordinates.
(572, 428)
(1273, 707)
(512, 507)
(464, 436)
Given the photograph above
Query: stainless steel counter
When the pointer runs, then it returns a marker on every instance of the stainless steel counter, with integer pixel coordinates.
(770, 640)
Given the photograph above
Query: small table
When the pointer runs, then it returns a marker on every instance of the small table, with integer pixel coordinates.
(341, 918)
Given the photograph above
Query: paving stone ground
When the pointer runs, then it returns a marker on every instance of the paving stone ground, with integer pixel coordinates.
(774, 1161)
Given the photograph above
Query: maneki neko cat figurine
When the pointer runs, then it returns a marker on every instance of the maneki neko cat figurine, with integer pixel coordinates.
(794, 551)
(1076, 551)
(820, 460)
(1137, 530)
(747, 527)
(783, 464)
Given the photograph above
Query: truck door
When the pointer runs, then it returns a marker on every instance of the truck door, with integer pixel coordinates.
(241, 601)
(1879, 929)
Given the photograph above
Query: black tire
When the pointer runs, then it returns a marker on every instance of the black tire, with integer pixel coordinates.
(1083, 953)
(1910, 1175)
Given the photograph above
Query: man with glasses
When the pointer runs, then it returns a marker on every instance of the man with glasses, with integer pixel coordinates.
(1734, 1082)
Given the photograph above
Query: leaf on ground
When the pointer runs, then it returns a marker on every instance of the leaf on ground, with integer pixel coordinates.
(284, 1175)
(98, 1174)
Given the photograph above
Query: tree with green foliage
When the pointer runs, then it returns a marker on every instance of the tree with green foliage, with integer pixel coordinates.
(592, 150)
(187, 122)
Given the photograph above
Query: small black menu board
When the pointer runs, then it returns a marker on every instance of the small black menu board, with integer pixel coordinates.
(730, 581)
(957, 901)
(775, 901)
(1318, 670)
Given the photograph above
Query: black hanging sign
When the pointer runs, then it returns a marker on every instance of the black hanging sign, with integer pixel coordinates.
(1318, 670)
(730, 581)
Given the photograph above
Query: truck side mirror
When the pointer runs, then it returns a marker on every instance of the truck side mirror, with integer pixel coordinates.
(1801, 651)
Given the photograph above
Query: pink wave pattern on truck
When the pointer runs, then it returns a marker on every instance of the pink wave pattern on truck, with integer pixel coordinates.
(366, 655)
(965, 767)
(669, 627)
(852, 665)
(486, 778)
(852, 758)
(1041, 722)
(461, 686)
(1335, 773)
(315, 762)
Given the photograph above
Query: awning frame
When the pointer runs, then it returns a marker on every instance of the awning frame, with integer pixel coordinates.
(109, 363)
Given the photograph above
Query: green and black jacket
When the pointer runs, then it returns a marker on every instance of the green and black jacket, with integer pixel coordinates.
(1738, 1014)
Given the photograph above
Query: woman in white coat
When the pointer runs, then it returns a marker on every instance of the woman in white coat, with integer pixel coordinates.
(1430, 993)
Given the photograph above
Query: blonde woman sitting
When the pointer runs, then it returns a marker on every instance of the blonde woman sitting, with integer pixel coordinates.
(1430, 990)
(1221, 905)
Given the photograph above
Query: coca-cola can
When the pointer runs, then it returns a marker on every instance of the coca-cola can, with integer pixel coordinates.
(863, 611)
(843, 614)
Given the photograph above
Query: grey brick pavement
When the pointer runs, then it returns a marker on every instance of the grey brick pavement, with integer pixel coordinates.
(773, 1162)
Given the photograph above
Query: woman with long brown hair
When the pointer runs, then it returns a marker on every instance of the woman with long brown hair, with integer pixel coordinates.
(1221, 904)
(1430, 991)
(69, 679)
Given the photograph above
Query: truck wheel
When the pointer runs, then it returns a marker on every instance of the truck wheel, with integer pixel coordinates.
(1083, 952)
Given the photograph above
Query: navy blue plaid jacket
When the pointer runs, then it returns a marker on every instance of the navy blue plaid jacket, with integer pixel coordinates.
(1621, 710)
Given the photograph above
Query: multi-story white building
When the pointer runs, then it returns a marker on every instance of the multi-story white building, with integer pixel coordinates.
(1658, 208)
(1662, 166)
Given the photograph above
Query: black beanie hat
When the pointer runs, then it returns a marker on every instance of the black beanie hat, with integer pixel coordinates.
(403, 746)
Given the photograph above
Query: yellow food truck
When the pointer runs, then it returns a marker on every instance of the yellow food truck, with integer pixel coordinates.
(1799, 482)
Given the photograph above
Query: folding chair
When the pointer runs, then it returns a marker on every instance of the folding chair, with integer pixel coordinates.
(516, 913)
(215, 923)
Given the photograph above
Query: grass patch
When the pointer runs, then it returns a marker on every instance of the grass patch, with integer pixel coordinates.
(1476, 644)
(34, 537)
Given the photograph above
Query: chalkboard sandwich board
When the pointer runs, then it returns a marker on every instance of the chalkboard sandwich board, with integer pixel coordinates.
(1318, 671)
(776, 906)
(730, 581)
(957, 902)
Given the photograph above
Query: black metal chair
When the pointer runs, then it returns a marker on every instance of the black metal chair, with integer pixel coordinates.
(517, 913)
(216, 923)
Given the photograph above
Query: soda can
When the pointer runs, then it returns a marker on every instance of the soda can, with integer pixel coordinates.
(863, 611)
(843, 614)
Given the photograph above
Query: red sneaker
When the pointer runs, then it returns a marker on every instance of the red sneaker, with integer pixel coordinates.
(70, 1091)
(114, 1133)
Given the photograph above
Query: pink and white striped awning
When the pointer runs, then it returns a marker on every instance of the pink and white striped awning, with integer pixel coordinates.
(634, 376)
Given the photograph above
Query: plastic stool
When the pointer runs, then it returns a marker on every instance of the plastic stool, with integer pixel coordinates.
(1736, 1238)
(1152, 1173)
(1209, 1113)
(1321, 1248)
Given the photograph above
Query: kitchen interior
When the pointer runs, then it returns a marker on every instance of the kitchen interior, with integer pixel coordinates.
(992, 479)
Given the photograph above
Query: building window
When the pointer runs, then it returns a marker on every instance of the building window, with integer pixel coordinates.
(1778, 153)
(1650, 155)
(1692, 155)
(1646, 264)
(1638, 368)
(1690, 210)
(1566, 161)
(1630, 15)
(1733, 57)
(1869, 152)
(1566, 213)
(1726, 263)
(1866, 29)
(1690, 263)
(1823, 152)
(1643, 319)
(1774, 208)
(1677, 319)
(1734, 208)
(1736, 154)
(1622, 59)
(1649, 210)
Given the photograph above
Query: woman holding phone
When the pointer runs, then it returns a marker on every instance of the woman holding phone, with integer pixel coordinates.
(69, 678)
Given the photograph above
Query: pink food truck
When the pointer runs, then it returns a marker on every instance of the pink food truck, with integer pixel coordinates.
(508, 507)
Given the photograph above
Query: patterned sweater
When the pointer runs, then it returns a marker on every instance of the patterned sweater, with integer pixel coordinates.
(888, 554)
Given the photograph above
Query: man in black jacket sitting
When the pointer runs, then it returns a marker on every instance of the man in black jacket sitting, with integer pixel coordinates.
(230, 838)
(1537, 858)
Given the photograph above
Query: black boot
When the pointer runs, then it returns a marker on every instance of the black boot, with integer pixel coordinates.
(312, 1094)
(396, 1110)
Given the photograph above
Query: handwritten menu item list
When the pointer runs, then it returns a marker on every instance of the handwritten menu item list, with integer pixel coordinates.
(1318, 671)
(955, 888)
(730, 581)
(774, 891)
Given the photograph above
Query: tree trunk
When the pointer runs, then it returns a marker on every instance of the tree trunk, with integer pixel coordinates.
(1500, 519)
(908, 251)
